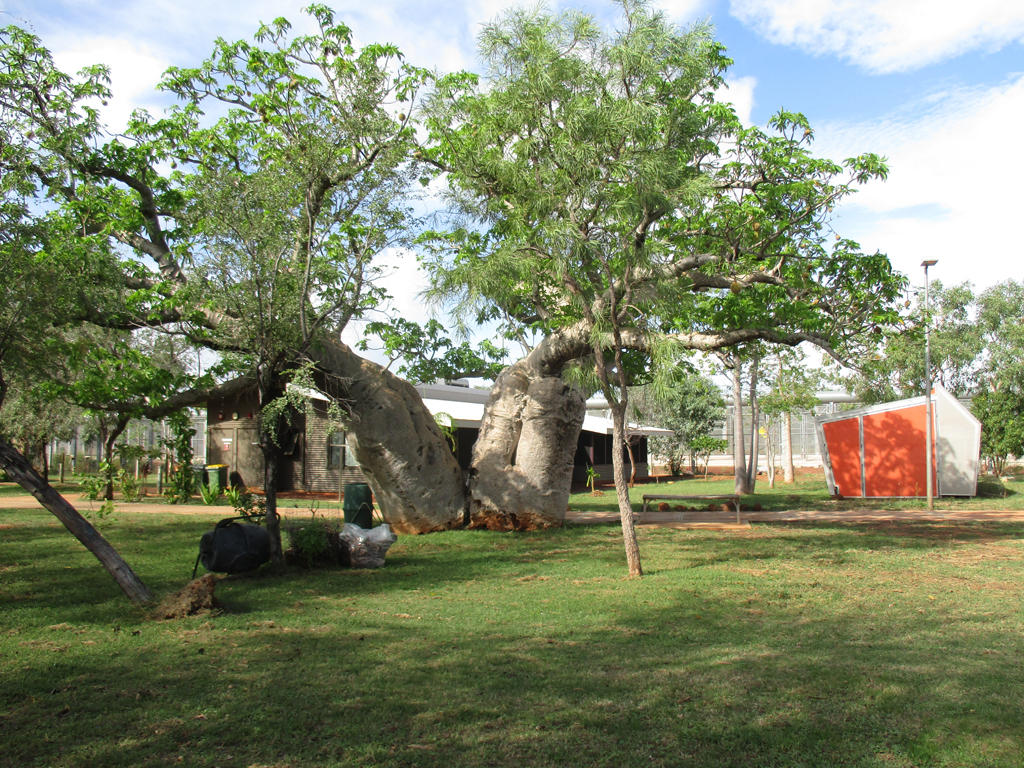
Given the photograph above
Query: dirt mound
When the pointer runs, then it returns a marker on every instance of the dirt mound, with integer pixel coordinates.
(194, 599)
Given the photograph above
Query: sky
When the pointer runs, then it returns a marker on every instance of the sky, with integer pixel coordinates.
(935, 86)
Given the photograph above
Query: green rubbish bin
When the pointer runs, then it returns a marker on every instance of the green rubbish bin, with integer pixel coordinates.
(199, 471)
(358, 505)
(217, 475)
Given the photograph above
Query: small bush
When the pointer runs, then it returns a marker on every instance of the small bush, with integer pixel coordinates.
(316, 543)
(92, 486)
(209, 494)
(252, 508)
(129, 485)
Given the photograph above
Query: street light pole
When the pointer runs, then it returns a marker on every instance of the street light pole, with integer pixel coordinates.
(928, 388)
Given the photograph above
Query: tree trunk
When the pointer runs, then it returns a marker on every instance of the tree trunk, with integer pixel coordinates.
(622, 489)
(271, 462)
(400, 449)
(788, 473)
(523, 458)
(738, 458)
(522, 462)
(108, 450)
(632, 464)
(755, 448)
(21, 471)
(43, 460)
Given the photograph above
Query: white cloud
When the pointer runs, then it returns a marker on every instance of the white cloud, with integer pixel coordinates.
(681, 10)
(954, 189)
(886, 35)
(739, 91)
(134, 71)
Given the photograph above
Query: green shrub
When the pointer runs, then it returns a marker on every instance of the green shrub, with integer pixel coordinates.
(129, 485)
(92, 486)
(309, 542)
(252, 508)
(315, 542)
(210, 494)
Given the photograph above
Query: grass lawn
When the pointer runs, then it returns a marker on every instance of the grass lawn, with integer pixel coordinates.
(800, 645)
(74, 491)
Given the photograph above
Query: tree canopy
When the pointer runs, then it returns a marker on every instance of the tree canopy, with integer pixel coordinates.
(604, 198)
(601, 199)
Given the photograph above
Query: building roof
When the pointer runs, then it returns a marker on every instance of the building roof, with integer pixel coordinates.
(466, 406)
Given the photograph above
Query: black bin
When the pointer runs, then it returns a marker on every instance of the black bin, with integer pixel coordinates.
(234, 547)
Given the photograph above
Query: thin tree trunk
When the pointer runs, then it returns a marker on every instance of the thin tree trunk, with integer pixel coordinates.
(44, 462)
(108, 449)
(738, 460)
(755, 452)
(19, 469)
(788, 473)
(632, 464)
(622, 490)
(271, 461)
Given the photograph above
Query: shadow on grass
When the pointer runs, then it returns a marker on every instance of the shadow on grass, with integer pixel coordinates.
(651, 687)
(788, 645)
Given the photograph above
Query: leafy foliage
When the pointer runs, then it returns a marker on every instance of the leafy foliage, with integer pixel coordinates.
(181, 479)
(701, 448)
(1001, 414)
(896, 369)
(428, 354)
(687, 403)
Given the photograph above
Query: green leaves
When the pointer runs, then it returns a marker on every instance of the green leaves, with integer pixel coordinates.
(1002, 424)
(428, 354)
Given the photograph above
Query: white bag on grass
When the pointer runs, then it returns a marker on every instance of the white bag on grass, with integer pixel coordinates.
(367, 547)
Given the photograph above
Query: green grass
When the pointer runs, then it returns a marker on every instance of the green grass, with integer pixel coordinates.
(13, 489)
(810, 645)
(73, 490)
(809, 492)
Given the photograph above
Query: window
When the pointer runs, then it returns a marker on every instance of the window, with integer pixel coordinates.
(335, 450)
(338, 454)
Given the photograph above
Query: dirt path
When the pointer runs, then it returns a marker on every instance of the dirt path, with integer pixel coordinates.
(708, 520)
(727, 520)
(82, 505)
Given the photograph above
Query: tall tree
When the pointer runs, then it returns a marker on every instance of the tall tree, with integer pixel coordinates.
(260, 241)
(592, 207)
(895, 369)
(685, 402)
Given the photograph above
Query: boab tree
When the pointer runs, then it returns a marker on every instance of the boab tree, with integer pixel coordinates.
(251, 232)
(605, 200)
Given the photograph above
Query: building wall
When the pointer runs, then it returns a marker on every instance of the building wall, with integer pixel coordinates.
(595, 450)
(232, 439)
(314, 475)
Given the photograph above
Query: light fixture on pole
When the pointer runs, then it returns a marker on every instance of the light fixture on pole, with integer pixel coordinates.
(928, 388)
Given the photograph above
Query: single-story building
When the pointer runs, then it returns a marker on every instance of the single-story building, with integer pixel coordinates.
(880, 451)
(317, 459)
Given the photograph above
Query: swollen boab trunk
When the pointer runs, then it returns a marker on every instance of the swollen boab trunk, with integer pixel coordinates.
(523, 459)
(402, 452)
(522, 462)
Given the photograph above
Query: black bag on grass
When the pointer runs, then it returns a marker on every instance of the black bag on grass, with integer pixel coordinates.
(234, 548)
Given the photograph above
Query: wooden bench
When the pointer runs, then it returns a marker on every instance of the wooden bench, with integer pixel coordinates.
(649, 497)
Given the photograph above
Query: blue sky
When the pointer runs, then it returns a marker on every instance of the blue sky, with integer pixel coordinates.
(936, 86)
